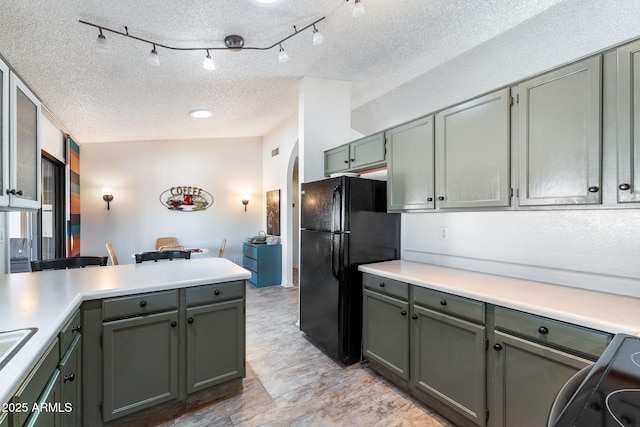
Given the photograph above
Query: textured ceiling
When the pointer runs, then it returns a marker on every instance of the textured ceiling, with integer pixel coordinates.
(118, 96)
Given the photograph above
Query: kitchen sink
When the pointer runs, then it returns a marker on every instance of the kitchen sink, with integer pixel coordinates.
(11, 341)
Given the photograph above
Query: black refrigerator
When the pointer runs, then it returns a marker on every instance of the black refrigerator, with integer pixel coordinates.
(344, 223)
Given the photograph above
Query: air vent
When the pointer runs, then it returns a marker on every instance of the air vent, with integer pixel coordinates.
(275, 152)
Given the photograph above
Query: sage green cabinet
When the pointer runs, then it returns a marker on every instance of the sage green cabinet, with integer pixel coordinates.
(410, 166)
(386, 325)
(357, 155)
(559, 136)
(140, 357)
(49, 402)
(448, 355)
(215, 344)
(4, 419)
(629, 123)
(71, 384)
(473, 153)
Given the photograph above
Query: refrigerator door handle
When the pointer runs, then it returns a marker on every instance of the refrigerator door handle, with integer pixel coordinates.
(336, 191)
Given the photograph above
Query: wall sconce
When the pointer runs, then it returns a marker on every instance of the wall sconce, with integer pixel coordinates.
(245, 201)
(107, 195)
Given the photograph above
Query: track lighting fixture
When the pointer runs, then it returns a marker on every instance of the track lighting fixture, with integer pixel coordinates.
(282, 55)
(232, 43)
(153, 57)
(358, 9)
(317, 37)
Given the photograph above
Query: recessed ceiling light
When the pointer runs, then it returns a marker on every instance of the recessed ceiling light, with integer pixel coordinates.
(201, 114)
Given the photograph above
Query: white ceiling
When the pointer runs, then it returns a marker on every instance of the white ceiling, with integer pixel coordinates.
(118, 96)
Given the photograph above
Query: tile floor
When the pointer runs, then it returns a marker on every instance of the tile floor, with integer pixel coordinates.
(291, 383)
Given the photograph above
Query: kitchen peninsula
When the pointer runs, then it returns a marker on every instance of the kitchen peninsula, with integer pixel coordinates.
(168, 292)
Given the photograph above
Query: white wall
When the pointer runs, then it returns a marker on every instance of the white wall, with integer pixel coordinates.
(139, 172)
(593, 249)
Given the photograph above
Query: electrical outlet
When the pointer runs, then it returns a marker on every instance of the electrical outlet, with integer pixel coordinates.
(444, 233)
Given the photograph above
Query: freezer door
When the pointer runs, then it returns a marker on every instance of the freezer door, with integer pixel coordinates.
(320, 289)
(322, 205)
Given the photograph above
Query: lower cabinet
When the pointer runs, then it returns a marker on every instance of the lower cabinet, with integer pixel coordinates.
(71, 384)
(4, 420)
(140, 359)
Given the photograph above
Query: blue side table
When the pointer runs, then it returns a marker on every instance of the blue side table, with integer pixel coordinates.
(265, 263)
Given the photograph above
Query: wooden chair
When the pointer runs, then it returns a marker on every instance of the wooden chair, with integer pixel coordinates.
(69, 262)
(224, 243)
(112, 254)
(157, 255)
(166, 241)
(171, 248)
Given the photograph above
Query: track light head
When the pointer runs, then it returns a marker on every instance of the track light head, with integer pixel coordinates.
(317, 37)
(282, 55)
(152, 57)
(358, 9)
(208, 62)
(101, 42)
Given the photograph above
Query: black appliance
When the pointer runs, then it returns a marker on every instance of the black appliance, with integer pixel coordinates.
(344, 223)
(610, 393)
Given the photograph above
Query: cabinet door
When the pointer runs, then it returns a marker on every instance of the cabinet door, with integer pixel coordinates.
(527, 378)
(560, 115)
(629, 123)
(4, 133)
(71, 373)
(367, 151)
(50, 399)
(24, 152)
(410, 166)
(386, 332)
(448, 361)
(215, 344)
(336, 160)
(4, 419)
(472, 153)
(140, 363)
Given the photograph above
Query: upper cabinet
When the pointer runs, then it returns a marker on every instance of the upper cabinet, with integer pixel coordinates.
(410, 173)
(472, 153)
(629, 123)
(24, 147)
(363, 153)
(4, 133)
(559, 136)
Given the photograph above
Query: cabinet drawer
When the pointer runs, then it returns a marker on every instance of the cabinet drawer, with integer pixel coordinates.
(136, 305)
(33, 386)
(250, 251)
(450, 304)
(571, 337)
(390, 287)
(250, 263)
(215, 293)
(69, 332)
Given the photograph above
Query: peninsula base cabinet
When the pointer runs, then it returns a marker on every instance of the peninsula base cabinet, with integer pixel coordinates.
(475, 363)
(148, 352)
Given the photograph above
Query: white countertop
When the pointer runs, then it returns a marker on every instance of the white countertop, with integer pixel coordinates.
(597, 310)
(46, 300)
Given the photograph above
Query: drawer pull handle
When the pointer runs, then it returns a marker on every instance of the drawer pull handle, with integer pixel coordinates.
(216, 292)
(143, 304)
(543, 330)
(497, 347)
(76, 328)
(429, 199)
(441, 198)
(174, 324)
(403, 312)
(443, 302)
(69, 378)
(415, 317)
(594, 189)
(190, 320)
(381, 284)
(624, 186)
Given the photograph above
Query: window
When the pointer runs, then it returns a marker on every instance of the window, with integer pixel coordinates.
(52, 211)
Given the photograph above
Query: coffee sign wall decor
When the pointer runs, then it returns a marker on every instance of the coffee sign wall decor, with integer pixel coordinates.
(186, 199)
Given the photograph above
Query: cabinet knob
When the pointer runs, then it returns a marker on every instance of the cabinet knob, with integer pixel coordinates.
(443, 302)
(174, 324)
(429, 199)
(594, 189)
(346, 161)
(143, 304)
(69, 378)
(624, 186)
(216, 292)
(497, 347)
(543, 330)
(381, 284)
(14, 192)
(441, 198)
(403, 312)
(76, 328)
(353, 160)
(415, 317)
(190, 320)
